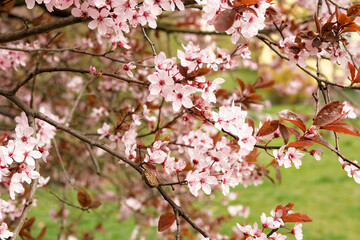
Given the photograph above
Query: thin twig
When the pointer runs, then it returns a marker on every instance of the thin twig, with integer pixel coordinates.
(77, 101)
(93, 159)
(149, 41)
(62, 164)
(178, 230)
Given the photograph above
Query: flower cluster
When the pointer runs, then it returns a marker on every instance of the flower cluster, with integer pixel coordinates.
(13, 59)
(17, 161)
(272, 222)
(286, 158)
(178, 83)
(351, 170)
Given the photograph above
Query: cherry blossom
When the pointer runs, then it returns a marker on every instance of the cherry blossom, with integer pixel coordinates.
(181, 96)
(15, 185)
(4, 232)
(104, 130)
(101, 20)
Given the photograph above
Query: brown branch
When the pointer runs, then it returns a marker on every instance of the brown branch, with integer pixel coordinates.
(82, 71)
(9, 37)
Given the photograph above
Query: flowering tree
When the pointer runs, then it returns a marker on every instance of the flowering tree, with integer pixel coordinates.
(94, 89)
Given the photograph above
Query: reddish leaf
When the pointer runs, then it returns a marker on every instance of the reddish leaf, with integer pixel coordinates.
(301, 144)
(282, 208)
(297, 217)
(251, 123)
(342, 19)
(268, 127)
(289, 206)
(297, 134)
(284, 132)
(95, 204)
(353, 11)
(290, 116)
(352, 70)
(241, 83)
(357, 78)
(182, 70)
(352, 27)
(322, 141)
(202, 71)
(246, 2)
(318, 25)
(343, 128)
(165, 221)
(225, 20)
(275, 164)
(84, 198)
(42, 233)
(261, 83)
(328, 114)
(28, 224)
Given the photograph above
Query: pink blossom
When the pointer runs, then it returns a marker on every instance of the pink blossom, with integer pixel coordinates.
(294, 156)
(15, 185)
(147, 14)
(30, 155)
(210, 87)
(161, 83)
(348, 110)
(12, 152)
(104, 130)
(297, 231)
(43, 181)
(82, 12)
(197, 181)
(101, 20)
(181, 96)
(4, 232)
(24, 135)
(228, 180)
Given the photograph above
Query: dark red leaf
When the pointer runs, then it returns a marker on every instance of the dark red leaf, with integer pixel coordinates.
(352, 70)
(297, 134)
(289, 206)
(284, 132)
(268, 127)
(357, 78)
(353, 11)
(182, 70)
(241, 83)
(246, 2)
(290, 116)
(318, 25)
(343, 128)
(165, 221)
(319, 139)
(95, 204)
(301, 144)
(251, 123)
(84, 198)
(351, 27)
(225, 20)
(329, 114)
(297, 217)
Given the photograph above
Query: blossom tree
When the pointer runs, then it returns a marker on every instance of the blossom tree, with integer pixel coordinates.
(133, 94)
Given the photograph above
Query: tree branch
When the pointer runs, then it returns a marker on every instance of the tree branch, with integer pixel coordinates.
(9, 37)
